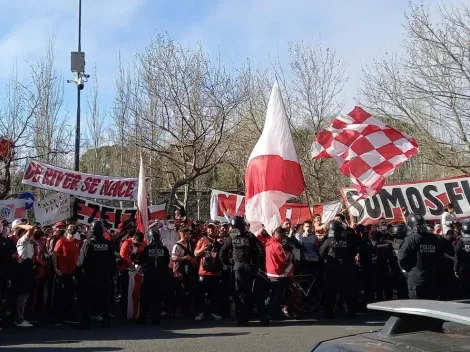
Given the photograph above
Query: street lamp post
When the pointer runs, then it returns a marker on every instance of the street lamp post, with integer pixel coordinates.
(77, 131)
(78, 67)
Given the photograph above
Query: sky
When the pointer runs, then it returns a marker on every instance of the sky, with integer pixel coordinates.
(359, 30)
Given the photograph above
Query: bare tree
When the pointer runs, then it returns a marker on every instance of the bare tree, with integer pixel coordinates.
(193, 103)
(122, 112)
(428, 87)
(52, 137)
(17, 109)
(312, 84)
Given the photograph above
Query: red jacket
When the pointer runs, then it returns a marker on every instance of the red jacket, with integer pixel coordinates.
(125, 261)
(278, 261)
(262, 239)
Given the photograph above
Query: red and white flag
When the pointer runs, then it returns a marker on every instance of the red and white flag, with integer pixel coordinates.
(274, 174)
(142, 204)
(366, 149)
(133, 294)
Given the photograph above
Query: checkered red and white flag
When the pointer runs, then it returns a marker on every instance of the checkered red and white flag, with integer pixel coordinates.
(366, 149)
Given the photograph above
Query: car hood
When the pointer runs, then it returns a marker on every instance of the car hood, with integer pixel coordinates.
(373, 342)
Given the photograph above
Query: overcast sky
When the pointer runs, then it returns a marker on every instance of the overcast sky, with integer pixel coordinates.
(360, 30)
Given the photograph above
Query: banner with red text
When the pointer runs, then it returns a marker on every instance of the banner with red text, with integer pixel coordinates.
(54, 178)
(427, 198)
(12, 209)
(225, 205)
(87, 211)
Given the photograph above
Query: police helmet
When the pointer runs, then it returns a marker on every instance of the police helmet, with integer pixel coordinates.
(335, 227)
(153, 235)
(466, 228)
(238, 222)
(415, 220)
(399, 231)
(97, 228)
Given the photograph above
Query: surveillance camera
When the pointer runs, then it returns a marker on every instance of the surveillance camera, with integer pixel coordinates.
(80, 84)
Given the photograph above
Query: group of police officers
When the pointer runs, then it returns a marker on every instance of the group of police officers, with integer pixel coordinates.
(418, 251)
(420, 256)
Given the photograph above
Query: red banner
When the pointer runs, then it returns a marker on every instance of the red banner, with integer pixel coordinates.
(225, 205)
(54, 178)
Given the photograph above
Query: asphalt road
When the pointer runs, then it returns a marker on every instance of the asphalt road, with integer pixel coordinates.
(187, 336)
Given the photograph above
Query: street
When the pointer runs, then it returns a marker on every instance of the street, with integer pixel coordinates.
(187, 336)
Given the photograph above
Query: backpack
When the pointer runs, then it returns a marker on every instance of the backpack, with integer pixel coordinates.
(186, 268)
(211, 261)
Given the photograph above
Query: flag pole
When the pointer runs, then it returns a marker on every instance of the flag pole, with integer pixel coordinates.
(350, 205)
(308, 202)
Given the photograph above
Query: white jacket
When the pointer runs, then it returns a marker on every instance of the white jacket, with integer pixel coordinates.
(169, 239)
(447, 220)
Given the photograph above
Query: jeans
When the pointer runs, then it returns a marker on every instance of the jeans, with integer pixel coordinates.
(20, 306)
(277, 296)
(209, 289)
(65, 297)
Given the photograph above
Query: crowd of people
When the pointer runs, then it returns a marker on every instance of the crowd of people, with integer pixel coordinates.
(70, 273)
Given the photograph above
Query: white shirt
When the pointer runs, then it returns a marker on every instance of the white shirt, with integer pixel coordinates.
(25, 248)
(447, 220)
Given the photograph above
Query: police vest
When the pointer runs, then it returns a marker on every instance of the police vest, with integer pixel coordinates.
(426, 254)
(155, 255)
(242, 249)
(338, 249)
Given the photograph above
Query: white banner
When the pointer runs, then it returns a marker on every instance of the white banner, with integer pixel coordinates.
(12, 209)
(54, 178)
(427, 197)
(225, 205)
(55, 208)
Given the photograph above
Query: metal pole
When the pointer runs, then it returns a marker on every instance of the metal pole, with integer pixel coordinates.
(77, 131)
(198, 210)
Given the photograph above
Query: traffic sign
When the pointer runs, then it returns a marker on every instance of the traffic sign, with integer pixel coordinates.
(29, 199)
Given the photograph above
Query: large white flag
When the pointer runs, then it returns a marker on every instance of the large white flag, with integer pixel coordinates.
(142, 204)
(274, 174)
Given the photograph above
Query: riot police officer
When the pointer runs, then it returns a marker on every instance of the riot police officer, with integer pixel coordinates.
(339, 250)
(462, 260)
(246, 253)
(154, 260)
(419, 255)
(96, 266)
(399, 233)
(400, 276)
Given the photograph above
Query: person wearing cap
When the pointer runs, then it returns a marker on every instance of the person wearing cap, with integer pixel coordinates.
(178, 217)
(15, 229)
(24, 279)
(64, 260)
